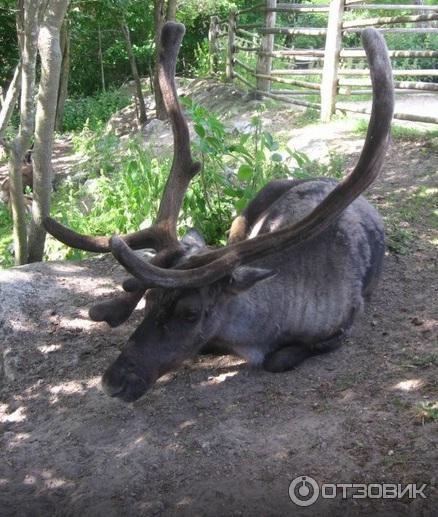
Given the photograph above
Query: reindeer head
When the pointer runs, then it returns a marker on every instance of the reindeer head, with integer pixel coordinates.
(188, 285)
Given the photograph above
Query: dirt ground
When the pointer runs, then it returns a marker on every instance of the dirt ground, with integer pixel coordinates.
(218, 437)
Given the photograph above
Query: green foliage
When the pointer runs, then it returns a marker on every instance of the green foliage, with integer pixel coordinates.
(124, 183)
(114, 199)
(6, 257)
(399, 132)
(120, 185)
(89, 16)
(307, 117)
(92, 112)
(428, 411)
(100, 148)
(202, 60)
(398, 239)
(234, 169)
(307, 168)
(418, 206)
(8, 42)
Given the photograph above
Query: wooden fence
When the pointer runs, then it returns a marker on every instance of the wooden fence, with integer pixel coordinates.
(326, 72)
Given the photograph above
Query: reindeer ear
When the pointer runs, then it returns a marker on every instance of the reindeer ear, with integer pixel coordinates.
(192, 241)
(245, 277)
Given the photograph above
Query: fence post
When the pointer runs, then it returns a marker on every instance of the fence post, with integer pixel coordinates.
(213, 34)
(264, 63)
(230, 48)
(332, 52)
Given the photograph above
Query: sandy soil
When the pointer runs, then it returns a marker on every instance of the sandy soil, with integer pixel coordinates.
(218, 437)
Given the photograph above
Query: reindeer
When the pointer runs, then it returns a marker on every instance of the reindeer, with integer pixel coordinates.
(27, 172)
(300, 263)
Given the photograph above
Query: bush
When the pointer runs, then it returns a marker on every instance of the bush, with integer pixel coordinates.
(6, 257)
(114, 201)
(120, 186)
(92, 112)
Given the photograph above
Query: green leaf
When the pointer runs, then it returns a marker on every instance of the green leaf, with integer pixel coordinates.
(214, 142)
(269, 140)
(230, 191)
(240, 204)
(245, 172)
(200, 131)
(276, 157)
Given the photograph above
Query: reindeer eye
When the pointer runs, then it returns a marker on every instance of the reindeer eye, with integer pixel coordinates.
(190, 315)
(187, 314)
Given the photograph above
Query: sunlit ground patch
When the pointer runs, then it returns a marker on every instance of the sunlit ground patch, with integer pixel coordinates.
(409, 385)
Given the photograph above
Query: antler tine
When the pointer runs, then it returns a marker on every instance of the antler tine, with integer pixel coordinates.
(183, 167)
(117, 310)
(152, 237)
(162, 234)
(211, 266)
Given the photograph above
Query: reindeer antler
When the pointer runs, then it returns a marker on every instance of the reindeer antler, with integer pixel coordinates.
(211, 266)
(162, 235)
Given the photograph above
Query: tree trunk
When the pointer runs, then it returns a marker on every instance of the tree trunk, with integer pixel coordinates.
(51, 58)
(171, 10)
(18, 205)
(102, 72)
(27, 28)
(10, 100)
(63, 80)
(159, 19)
(141, 105)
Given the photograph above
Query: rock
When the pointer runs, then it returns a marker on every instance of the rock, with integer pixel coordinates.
(314, 148)
(241, 126)
(155, 126)
(31, 331)
(90, 191)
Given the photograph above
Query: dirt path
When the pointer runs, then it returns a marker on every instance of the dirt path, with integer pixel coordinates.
(218, 437)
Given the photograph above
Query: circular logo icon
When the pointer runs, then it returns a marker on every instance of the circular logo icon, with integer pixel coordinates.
(303, 491)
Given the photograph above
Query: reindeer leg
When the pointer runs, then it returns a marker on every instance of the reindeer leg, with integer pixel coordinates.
(286, 358)
(290, 356)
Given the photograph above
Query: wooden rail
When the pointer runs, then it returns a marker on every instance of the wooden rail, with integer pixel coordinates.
(335, 70)
(401, 116)
(302, 8)
(294, 82)
(293, 31)
(386, 20)
(417, 30)
(392, 53)
(389, 7)
(418, 85)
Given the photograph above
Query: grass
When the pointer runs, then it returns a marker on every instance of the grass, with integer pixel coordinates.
(428, 411)
(398, 239)
(6, 258)
(424, 361)
(399, 132)
(400, 215)
(310, 116)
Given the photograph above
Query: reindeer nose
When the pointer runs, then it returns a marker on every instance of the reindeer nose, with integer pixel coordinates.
(110, 388)
(114, 381)
(121, 381)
